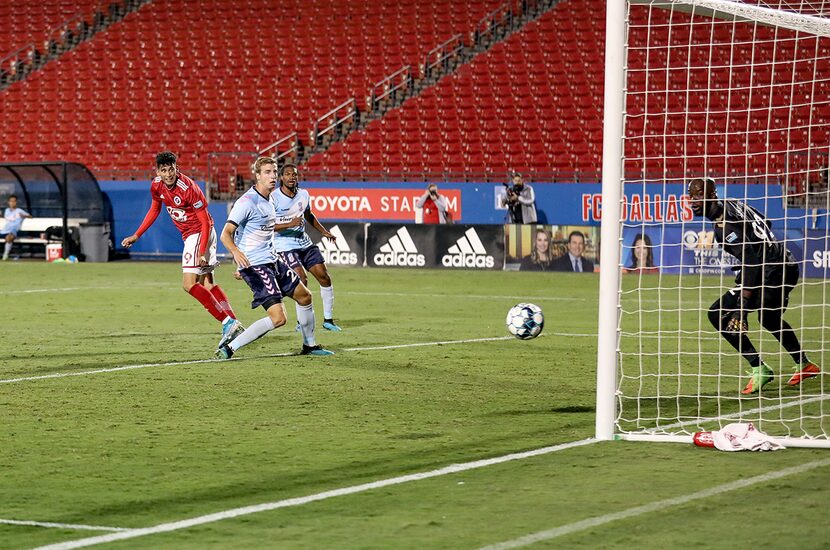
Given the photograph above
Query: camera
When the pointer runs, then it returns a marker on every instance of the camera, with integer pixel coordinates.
(511, 189)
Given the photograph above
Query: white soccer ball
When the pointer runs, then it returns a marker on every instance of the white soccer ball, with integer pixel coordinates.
(525, 321)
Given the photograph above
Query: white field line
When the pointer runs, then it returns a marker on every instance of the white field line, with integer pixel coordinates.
(200, 361)
(299, 501)
(61, 525)
(657, 506)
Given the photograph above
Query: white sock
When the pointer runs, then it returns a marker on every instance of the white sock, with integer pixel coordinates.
(305, 316)
(7, 250)
(257, 329)
(327, 293)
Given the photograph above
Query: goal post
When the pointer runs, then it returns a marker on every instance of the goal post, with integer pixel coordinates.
(738, 91)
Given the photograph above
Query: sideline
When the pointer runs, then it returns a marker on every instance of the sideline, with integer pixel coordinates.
(657, 506)
(299, 501)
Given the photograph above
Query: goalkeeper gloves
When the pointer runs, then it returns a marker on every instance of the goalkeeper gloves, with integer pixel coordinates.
(736, 320)
(736, 323)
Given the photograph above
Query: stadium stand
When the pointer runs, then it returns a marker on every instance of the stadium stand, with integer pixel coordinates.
(246, 74)
(23, 23)
(233, 76)
(531, 103)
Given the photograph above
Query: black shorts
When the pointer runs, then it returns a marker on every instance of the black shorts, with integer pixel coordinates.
(270, 282)
(306, 257)
(773, 296)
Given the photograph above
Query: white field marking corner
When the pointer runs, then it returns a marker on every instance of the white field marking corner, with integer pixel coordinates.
(199, 361)
(657, 506)
(60, 525)
(299, 501)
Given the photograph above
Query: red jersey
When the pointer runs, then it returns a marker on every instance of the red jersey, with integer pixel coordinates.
(431, 212)
(182, 202)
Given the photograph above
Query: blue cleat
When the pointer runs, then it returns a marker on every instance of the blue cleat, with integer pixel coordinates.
(224, 352)
(329, 324)
(230, 330)
(315, 350)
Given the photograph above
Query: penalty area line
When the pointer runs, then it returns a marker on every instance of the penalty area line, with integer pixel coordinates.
(657, 506)
(270, 356)
(299, 501)
(60, 525)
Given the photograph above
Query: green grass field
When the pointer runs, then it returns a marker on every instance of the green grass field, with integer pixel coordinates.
(115, 415)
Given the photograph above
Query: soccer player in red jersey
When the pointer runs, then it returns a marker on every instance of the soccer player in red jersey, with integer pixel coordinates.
(187, 207)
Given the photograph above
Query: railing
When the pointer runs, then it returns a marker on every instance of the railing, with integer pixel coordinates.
(229, 174)
(442, 54)
(387, 89)
(14, 62)
(292, 153)
(333, 122)
(490, 25)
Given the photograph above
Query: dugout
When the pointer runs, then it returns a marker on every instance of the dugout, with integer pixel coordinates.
(66, 204)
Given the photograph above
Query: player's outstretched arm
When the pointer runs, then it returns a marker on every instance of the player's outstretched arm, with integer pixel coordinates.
(312, 219)
(149, 219)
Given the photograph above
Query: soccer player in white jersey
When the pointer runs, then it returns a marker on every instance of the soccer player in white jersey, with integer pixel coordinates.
(187, 207)
(248, 236)
(293, 207)
(14, 217)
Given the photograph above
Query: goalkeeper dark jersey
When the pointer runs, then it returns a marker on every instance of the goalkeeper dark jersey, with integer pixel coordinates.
(745, 233)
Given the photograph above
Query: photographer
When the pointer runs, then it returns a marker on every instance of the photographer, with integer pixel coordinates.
(434, 206)
(519, 200)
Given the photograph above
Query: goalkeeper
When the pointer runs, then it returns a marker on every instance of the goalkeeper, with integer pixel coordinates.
(767, 273)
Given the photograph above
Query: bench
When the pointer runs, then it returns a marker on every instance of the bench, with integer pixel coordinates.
(33, 230)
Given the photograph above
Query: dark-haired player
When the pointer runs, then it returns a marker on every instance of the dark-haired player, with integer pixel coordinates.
(187, 207)
(767, 275)
(293, 207)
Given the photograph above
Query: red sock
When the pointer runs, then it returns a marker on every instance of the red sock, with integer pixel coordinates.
(206, 299)
(224, 304)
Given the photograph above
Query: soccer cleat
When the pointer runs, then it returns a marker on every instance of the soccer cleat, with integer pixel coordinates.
(230, 331)
(224, 352)
(807, 371)
(329, 324)
(315, 350)
(759, 377)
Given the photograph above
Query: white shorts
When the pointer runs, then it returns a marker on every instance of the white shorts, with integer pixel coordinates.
(190, 254)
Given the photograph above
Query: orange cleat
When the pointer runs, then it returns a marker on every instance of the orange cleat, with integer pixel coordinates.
(807, 371)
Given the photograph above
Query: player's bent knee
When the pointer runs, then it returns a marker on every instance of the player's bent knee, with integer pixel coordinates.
(301, 295)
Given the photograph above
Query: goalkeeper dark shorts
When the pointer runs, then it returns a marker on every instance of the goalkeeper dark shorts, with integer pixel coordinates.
(773, 295)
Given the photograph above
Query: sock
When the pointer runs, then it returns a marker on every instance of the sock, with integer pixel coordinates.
(305, 316)
(258, 329)
(206, 299)
(784, 333)
(222, 299)
(327, 293)
(7, 250)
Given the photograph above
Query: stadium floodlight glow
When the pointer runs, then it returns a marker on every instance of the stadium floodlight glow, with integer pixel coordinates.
(737, 91)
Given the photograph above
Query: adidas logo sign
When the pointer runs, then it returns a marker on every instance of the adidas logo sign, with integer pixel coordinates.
(337, 252)
(468, 252)
(400, 251)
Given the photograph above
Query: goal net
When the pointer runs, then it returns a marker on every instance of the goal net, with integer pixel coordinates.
(738, 92)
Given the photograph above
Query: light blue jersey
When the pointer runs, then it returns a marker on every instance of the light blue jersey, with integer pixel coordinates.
(14, 219)
(287, 208)
(254, 217)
